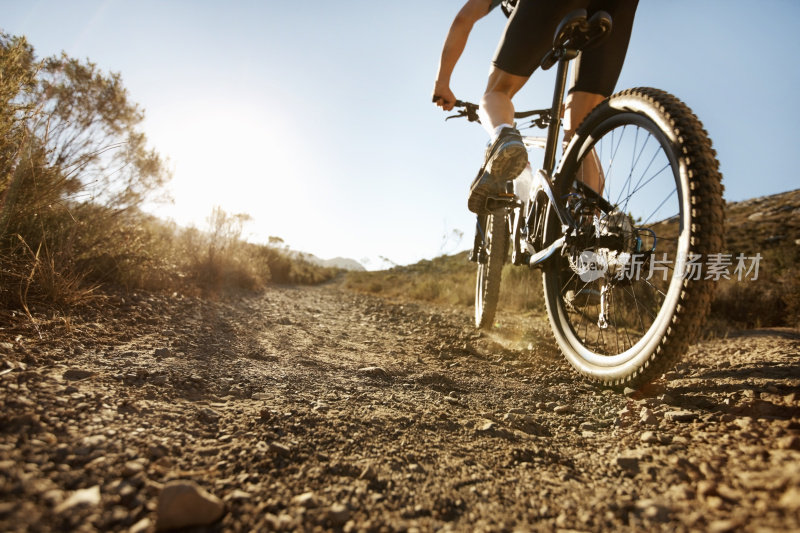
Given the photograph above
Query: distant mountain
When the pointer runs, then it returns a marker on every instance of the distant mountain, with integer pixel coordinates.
(344, 263)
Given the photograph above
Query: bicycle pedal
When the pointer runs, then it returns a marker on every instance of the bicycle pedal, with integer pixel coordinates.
(501, 201)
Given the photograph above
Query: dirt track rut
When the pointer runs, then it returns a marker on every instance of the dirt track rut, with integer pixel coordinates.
(317, 408)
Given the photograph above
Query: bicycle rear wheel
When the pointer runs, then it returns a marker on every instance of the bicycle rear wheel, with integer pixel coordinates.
(620, 305)
(490, 267)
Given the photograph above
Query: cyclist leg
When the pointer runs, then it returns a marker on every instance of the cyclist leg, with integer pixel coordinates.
(496, 108)
(596, 72)
(506, 155)
(525, 41)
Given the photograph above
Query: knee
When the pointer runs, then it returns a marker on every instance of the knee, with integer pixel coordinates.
(502, 84)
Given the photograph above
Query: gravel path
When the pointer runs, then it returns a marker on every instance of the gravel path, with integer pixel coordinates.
(317, 409)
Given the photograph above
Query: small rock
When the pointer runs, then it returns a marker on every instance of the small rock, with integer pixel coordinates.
(282, 522)
(206, 413)
(649, 437)
(526, 423)
(304, 500)
(162, 352)
(260, 396)
(791, 442)
(706, 488)
(131, 468)
(157, 451)
(680, 416)
(485, 426)
(790, 499)
(653, 511)
(53, 496)
(338, 514)
(374, 371)
(279, 449)
(562, 409)
(723, 526)
(93, 441)
(368, 473)
(90, 496)
(238, 495)
(648, 417)
(141, 526)
(184, 504)
(631, 464)
(76, 374)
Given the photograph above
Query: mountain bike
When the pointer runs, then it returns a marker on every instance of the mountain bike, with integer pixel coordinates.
(635, 198)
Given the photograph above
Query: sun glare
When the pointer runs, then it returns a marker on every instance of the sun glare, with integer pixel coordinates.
(226, 155)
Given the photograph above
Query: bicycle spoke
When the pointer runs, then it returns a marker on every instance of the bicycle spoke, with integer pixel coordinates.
(661, 205)
(644, 173)
(634, 163)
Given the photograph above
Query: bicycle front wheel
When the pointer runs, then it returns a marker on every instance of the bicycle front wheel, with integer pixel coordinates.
(490, 267)
(622, 306)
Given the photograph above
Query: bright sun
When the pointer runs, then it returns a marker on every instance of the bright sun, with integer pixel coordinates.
(229, 155)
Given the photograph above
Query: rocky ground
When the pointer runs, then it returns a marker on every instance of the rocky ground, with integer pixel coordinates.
(317, 408)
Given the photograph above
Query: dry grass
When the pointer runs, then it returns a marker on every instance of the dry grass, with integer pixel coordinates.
(449, 280)
(65, 256)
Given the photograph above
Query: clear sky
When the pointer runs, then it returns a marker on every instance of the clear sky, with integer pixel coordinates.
(315, 118)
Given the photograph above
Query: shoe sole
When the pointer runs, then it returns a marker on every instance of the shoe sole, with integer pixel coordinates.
(506, 165)
(509, 161)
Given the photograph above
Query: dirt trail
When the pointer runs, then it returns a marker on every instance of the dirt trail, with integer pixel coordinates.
(318, 408)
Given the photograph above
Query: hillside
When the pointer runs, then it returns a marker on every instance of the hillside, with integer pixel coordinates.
(768, 225)
(341, 263)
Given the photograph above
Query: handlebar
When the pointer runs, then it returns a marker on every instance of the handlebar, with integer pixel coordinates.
(470, 111)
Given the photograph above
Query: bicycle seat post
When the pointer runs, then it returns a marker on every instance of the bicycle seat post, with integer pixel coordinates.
(575, 33)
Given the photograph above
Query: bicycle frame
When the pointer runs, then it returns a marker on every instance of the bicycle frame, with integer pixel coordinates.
(543, 178)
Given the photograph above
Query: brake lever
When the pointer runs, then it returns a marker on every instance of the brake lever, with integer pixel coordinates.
(457, 115)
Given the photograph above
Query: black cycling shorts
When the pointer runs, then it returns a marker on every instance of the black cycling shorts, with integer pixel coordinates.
(529, 36)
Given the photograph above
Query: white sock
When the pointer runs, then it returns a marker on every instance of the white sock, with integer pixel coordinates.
(498, 129)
